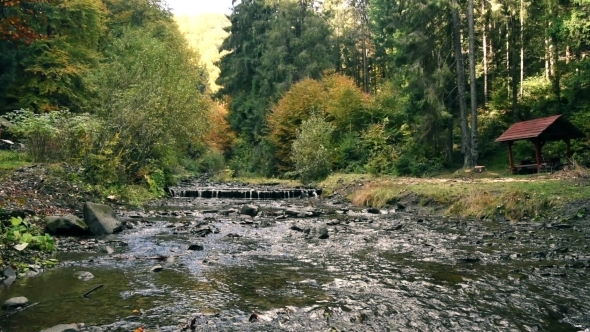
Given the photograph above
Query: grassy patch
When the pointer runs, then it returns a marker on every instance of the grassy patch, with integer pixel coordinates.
(338, 180)
(514, 197)
(11, 160)
(265, 181)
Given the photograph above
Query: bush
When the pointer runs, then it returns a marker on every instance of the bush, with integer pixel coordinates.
(211, 162)
(252, 159)
(55, 136)
(350, 155)
(312, 148)
(408, 166)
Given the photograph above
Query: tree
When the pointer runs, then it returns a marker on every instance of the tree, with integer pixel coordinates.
(312, 149)
(270, 46)
(335, 97)
(465, 135)
(52, 70)
(152, 101)
(24, 21)
(472, 83)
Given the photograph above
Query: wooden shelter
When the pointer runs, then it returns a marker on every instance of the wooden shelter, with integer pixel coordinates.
(540, 131)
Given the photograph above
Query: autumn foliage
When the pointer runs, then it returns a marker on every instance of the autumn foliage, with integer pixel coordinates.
(219, 136)
(335, 96)
(22, 20)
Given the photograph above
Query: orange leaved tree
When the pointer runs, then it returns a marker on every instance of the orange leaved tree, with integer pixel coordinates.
(334, 97)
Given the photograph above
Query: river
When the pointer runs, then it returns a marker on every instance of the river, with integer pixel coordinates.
(315, 264)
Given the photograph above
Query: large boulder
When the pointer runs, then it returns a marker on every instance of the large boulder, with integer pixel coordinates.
(249, 209)
(15, 302)
(65, 225)
(101, 219)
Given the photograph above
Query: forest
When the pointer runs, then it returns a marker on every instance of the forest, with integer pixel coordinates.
(292, 88)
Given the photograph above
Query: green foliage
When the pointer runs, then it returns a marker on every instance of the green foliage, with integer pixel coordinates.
(211, 162)
(381, 152)
(23, 234)
(312, 149)
(50, 73)
(152, 104)
(248, 160)
(270, 46)
(55, 136)
(350, 154)
(156, 182)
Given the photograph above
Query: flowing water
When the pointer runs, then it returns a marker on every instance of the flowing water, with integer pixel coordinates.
(380, 271)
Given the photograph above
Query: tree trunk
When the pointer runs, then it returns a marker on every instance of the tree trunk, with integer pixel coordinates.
(514, 70)
(521, 49)
(472, 83)
(508, 72)
(555, 74)
(547, 66)
(465, 136)
(485, 53)
(365, 67)
(450, 141)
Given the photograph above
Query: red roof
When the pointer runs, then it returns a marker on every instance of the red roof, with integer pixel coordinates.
(527, 129)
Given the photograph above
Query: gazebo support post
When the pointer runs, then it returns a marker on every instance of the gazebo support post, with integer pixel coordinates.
(538, 154)
(510, 157)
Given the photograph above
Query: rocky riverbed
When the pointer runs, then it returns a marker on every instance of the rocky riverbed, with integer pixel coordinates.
(311, 264)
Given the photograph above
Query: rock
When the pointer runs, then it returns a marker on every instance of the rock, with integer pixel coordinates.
(31, 273)
(202, 231)
(101, 219)
(323, 231)
(296, 228)
(469, 260)
(196, 247)
(65, 225)
(84, 275)
(9, 272)
(249, 209)
(109, 250)
(9, 275)
(63, 328)
(15, 302)
(8, 281)
(292, 212)
(156, 268)
(373, 211)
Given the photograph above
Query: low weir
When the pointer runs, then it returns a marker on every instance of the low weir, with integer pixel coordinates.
(245, 193)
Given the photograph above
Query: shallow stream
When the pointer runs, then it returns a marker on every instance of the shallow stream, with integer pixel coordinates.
(316, 264)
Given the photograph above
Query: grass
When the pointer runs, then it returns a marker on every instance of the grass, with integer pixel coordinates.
(515, 196)
(265, 181)
(11, 160)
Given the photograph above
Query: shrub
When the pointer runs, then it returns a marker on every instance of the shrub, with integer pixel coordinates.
(252, 159)
(312, 148)
(211, 162)
(55, 136)
(350, 155)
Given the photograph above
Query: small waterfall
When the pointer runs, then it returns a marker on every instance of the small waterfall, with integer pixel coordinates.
(244, 193)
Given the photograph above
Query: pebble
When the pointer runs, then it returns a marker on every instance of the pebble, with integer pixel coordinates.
(156, 268)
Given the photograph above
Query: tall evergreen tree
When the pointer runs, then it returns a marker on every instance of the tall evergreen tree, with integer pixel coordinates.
(271, 46)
